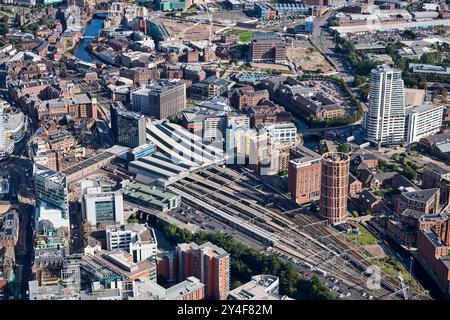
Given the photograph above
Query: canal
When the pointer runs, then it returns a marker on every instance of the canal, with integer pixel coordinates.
(92, 31)
(309, 142)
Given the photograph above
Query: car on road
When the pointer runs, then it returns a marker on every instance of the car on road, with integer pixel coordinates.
(370, 297)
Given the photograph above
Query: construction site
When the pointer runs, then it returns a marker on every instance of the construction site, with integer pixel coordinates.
(242, 201)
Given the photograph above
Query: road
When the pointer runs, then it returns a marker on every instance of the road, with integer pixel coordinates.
(319, 131)
(20, 177)
(323, 40)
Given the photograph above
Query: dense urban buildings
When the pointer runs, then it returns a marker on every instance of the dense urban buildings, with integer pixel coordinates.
(224, 150)
(207, 262)
(160, 99)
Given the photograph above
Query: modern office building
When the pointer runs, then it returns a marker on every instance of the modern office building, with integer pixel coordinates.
(304, 175)
(157, 30)
(267, 47)
(334, 186)
(264, 10)
(208, 88)
(189, 289)
(127, 127)
(282, 132)
(169, 5)
(261, 287)
(51, 190)
(102, 207)
(3, 142)
(385, 119)
(144, 150)
(422, 121)
(161, 98)
(137, 239)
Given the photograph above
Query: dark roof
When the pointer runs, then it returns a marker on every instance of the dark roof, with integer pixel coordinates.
(398, 181)
(436, 169)
(421, 195)
(383, 176)
(368, 197)
(412, 213)
(352, 179)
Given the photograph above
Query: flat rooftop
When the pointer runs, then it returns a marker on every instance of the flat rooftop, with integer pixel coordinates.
(147, 193)
(88, 162)
(49, 174)
(433, 237)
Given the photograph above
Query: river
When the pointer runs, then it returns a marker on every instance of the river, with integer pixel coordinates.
(92, 31)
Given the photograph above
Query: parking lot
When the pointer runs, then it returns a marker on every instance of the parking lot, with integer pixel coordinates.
(189, 214)
(336, 285)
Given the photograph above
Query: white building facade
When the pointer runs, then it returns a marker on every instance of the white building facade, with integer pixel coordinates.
(137, 239)
(422, 121)
(102, 207)
(385, 119)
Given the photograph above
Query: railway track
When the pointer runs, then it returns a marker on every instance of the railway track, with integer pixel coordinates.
(303, 237)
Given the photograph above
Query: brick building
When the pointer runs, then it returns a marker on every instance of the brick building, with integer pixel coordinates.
(426, 201)
(304, 175)
(334, 186)
(206, 262)
(267, 47)
(246, 96)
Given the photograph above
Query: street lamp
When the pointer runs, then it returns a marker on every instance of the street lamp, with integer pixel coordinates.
(411, 259)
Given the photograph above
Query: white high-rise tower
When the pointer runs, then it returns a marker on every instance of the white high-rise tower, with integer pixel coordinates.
(385, 120)
(3, 144)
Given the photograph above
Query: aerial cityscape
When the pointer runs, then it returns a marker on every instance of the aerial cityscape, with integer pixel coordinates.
(224, 150)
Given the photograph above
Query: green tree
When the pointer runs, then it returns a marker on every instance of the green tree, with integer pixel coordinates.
(344, 148)
(410, 34)
(247, 262)
(4, 27)
(359, 80)
(431, 58)
(409, 173)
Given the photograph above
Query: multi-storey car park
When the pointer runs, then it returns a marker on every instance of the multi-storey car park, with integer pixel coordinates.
(253, 207)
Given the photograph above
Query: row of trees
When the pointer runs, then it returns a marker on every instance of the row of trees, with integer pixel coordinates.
(4, 27)
(409, 170)
(246, 262)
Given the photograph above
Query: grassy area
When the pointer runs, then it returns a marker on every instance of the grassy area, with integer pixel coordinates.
(190, 103)
(244, 36)
(364, 238)
(383, 192)
(394, 268)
